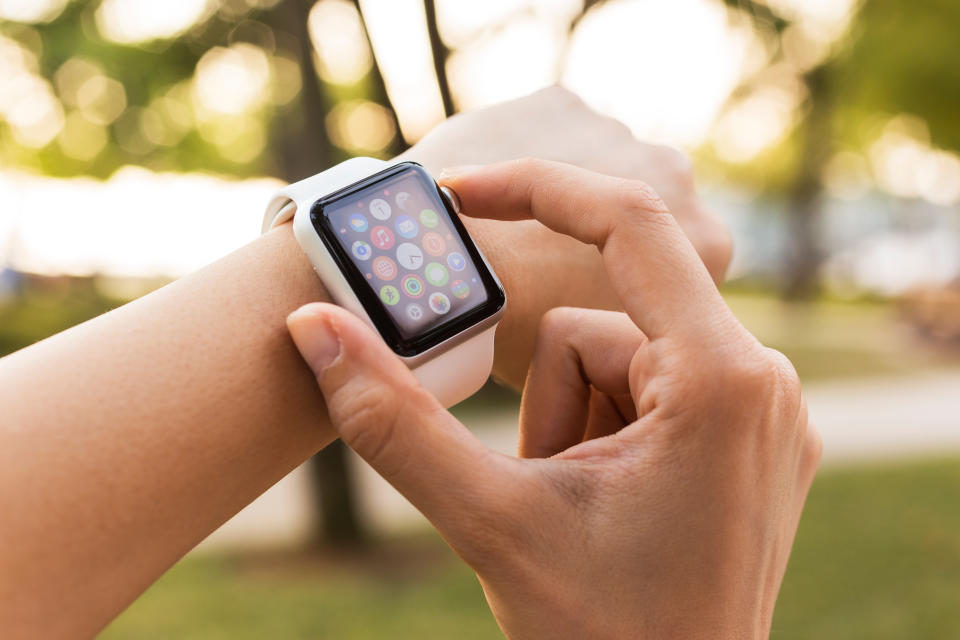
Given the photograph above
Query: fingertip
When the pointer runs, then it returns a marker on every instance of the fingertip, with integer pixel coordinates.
(315, 335)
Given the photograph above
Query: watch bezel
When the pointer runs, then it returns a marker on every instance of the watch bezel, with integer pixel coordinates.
(381, 318)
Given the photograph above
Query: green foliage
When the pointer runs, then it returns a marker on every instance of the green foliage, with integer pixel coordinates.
(39, 312)
(902, 57)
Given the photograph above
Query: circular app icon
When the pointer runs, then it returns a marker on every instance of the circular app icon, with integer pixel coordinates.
(456, 261)
(407, 226)
(409, 256)
(401, 199)
(380, 209)
(413, 286)
(429, 218)
(414, 312)
(361, 250)
(436, 274)
(358, 222)
(439, 303)
(434, 244)
(381, 237)
(460, 289)
(389, 295)
(384, 268)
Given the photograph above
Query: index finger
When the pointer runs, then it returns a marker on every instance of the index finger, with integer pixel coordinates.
(658, 276)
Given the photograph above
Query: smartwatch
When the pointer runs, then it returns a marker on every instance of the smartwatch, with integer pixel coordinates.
(389, 246)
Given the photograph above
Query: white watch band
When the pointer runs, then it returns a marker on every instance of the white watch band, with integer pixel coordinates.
(450, 373)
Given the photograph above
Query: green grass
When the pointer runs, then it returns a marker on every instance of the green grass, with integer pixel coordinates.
(877, 557)
(832, 339)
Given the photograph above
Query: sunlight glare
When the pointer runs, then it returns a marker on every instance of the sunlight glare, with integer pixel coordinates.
(135, 21)
(663, 68)
(520, 58)
(137, 223)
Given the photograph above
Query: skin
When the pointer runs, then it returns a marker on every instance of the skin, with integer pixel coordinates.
(126, 440)
(665, 453)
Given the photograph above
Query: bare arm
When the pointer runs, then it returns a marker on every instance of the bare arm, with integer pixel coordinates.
(126, 440)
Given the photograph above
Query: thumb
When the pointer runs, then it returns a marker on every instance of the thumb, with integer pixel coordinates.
(382, 412)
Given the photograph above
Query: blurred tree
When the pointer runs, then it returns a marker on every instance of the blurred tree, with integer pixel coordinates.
(440, 54)
(895, 58)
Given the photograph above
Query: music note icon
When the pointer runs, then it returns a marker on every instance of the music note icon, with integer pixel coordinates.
(381, 237)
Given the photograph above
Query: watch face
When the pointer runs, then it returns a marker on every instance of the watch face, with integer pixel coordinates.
(408, 258)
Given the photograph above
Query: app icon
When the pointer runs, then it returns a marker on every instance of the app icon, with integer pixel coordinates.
(380, 209)
(439, 303)
(361, 250)
(407, 226)
(402, 199)
(358, 222)
(381, 237)
(429, 218)
(385, 268)
(409, 256)
(436, 274)
(414, 312)
(460, 289)
(413, 286)
(434, 244)
(456, 261)
(389, 295)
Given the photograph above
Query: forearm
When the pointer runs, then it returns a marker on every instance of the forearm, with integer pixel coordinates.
(128, 439)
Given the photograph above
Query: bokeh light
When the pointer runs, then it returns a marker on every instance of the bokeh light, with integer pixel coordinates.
(31, 11)
(135, 21)
(341, 45)
(360, 126)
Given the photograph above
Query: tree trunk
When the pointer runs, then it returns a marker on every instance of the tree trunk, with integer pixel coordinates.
(440, 54)
(803, 258)
(304, 150)
(304, 147)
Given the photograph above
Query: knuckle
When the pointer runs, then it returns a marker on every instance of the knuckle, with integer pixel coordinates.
(639, 198)
(764, 373)
(812, 448)
(679, 167)
(716, 246)
(367, 417)
(556, 324)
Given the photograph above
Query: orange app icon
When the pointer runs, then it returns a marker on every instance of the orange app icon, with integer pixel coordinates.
(434, 244)
(385, 268)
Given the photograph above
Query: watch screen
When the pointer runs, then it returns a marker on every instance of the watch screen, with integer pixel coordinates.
(408, 258)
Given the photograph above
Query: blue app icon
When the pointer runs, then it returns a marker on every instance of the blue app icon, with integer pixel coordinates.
(407, 226)
(456, 261)
(358, 222)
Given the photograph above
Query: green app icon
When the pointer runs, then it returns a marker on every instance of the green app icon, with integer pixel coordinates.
(429, 218)
(389, 295)
(436, 274)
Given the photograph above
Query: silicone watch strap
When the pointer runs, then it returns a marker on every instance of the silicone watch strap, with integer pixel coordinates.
(452, 375)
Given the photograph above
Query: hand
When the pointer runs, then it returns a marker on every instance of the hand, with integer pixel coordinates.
(541, 269)
(679, 451)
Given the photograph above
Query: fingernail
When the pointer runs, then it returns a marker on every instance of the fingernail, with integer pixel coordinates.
(452, 172)
(316, 338)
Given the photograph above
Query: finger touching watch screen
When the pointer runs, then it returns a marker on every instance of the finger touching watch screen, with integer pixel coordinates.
(408, 258)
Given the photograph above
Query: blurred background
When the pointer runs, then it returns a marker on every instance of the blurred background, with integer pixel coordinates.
(825, 132)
